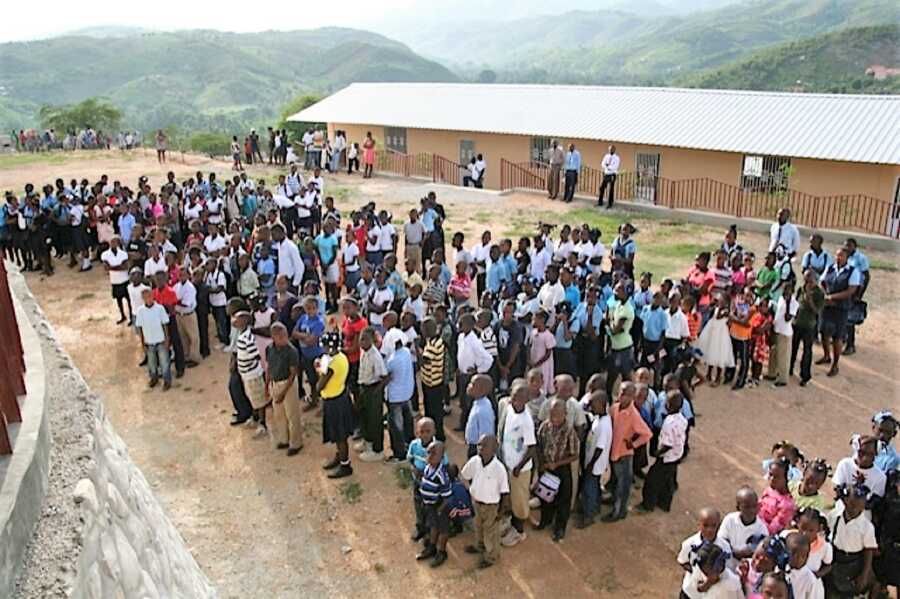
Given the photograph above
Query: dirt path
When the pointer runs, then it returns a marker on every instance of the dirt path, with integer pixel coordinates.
(262, 524)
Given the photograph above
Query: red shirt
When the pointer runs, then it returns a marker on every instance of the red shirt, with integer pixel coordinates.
(361, 237)
(351, 329)
(165, 297)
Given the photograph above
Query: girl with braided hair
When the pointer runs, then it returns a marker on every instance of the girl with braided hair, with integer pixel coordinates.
(337, 412)
(776, 506)
(806, 490)
(770, 557)
(853, 538)
(860, 468)
(884, 428)
(811, 523)
(711, 577)
(775, 586)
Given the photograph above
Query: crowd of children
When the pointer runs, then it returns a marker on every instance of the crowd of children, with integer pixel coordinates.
(569, 369)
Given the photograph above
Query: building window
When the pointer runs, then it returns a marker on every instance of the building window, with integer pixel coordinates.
(395, 139)
(766, 173)
(540, 149)
(466, 151)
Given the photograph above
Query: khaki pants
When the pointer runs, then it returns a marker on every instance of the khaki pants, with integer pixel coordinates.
(553, 181)
(779, 358)
(414, 253)
(285, 416)
(519, 493)
(576, 471)
(487, 530)
(189, 332)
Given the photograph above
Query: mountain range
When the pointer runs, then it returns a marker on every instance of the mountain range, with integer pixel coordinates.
(219, 81)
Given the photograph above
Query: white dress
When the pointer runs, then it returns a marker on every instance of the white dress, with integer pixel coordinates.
(715, 343)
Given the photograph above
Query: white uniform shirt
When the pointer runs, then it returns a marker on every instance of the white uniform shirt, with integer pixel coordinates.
(599, 437)
(386, 237)
(151, 322)
(471, 353)
(853, 536)
(486, 483)
(187, 297)
(216, 279)
(783, 308)
(290, 263)
(114, 259)
(738, 534)
(214, 244)
(786, 235)
(153, 266)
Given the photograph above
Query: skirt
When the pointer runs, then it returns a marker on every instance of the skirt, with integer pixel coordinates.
(337, 419)
(715, 343)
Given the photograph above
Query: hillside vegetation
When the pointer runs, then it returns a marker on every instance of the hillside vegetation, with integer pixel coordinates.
(834, 62)
(199, 79)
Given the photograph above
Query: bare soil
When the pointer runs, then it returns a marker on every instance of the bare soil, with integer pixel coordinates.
(263, 524)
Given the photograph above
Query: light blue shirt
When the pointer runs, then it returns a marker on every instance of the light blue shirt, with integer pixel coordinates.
(658, 411)
(494, 278)
(624, 248)
(817, 263)
(641, 298)
(581, 316)
(561, 341)
(400, 368)
(428, 219)
(887, 458)
(655, 322)
(509, 268)
(126, 224)
(481, 420)
(573, 296)
(859, 261)
(327, 245)
(417, 455)
(573, 160)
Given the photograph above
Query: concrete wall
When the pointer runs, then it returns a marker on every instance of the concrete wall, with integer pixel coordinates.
(816, 177)
(130, 547)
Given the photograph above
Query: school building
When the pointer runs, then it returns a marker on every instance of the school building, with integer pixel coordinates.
(834, 158)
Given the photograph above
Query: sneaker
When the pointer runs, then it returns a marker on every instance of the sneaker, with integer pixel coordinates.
(428, 552)
(439, 558)
(371, 456)
(534, 503)
(360, 446)
(341, 471)
(261, 431)
(512, 538)
(804, 382)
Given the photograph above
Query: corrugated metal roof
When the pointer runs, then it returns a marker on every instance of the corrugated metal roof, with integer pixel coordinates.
(856, 128)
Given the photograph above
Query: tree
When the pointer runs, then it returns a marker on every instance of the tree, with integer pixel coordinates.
(487, 76)
(93, 112)
(211, 144)
(293, 107)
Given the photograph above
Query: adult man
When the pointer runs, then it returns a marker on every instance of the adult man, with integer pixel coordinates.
(573, 167)
(152, 322)
(629, 432)
(480, 167)
(556, 161)
(840, 282)
(289, 262)
(256, 155)
(283, 363)
(610, 166)
(860, 262)
(115, 261)
(785, 234)
(186, 317)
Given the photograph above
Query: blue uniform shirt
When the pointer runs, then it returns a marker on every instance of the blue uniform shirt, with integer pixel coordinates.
(400, 368)
(859, 261)
(655, 322)
(573, 296)
(313, 326)
(887, 458)
(561, 341)
(816, 262)
(581, 315)
(481, 420)
(494, 277)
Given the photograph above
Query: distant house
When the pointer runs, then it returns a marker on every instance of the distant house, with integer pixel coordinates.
(880, 72)
(818, 144)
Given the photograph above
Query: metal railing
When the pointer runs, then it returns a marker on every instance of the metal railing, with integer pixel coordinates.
(405, 165)
(12, 364)
(446, 171)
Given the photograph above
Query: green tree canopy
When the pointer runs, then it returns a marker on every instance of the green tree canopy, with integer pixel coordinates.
(212, 144)
(93, 112)
(293, 107)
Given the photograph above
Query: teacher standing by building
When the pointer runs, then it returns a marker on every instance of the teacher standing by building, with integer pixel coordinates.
(556, 163)
(610, 167)
(573, 167)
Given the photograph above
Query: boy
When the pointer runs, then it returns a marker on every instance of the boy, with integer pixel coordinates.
(307, 333)
(435, 489)
(284, 361)
(481, 415)
(249, 366)
(780, 355)
(434, 355)
(471, 358)
(417, 456)
(629, 432)
(488, 486)
(369, 402)
(596, 458)
(660, 484)
(743, 529)
(152, 321)
(516, 437)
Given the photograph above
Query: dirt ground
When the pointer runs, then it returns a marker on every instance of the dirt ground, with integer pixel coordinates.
(263, 524)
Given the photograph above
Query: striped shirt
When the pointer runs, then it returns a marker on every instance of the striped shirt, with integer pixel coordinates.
(248, 362)
(434, 484)
(489, 340)
(433, 357)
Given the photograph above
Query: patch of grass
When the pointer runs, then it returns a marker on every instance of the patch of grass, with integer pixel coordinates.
(379, 568)
(25, 158)
(404, 478)
(351, 492)
(482, 217)
(340, 194)
(884, 265)
(83, 296)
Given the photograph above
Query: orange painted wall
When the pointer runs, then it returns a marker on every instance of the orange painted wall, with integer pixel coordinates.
(816, 177)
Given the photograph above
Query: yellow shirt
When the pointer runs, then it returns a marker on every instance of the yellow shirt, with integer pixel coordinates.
(339, 367)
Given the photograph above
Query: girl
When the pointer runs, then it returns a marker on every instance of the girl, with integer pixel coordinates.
(760, 327)
(806, 490)
(739, 328)
(749, 274)
(884, 427)
(738, 276)
(784, 450)
(853, 539)
(860, 468)
(776, 505)
(766, 278)
(337, 412)
(730, 245)
(694, 318)
(812, 524)
(540, 354)
(715, 342)
(460, 289)
(711, 577)
(701, 279)
(764, 573)
(368, 155)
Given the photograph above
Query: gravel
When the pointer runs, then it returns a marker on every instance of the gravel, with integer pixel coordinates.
(52, 555)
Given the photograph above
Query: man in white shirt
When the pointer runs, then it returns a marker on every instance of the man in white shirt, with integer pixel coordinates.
(151, 321)
(307, 141)
(290, 264)
(186, 318)
(471, 359)
(115, 261)
(480, 167)
(488, 485)
(784, 233)
(779, 357)
(659, 486)
(610, 166)
(481, 255)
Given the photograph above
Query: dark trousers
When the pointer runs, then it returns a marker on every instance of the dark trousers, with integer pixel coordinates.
(608, 181)
(203, 329)
(465, 403)
(670, 345)
(400, 427)
(557, 512)
(434, 408)
(571, 184)
(588, 359)
(308, 369)
(741, 350)
(659, 487)
(806, 337)
(371, 413)
(223, 327)
(177, 347)
(480, 283)
(238, 397)
(351, 164)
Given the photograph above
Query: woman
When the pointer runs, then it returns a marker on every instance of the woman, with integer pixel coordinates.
(368, 155)
(161, 146)
(236, 154)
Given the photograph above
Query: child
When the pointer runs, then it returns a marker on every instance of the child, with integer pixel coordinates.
(489, 341)
(760, 327)
(812, 524)
(861, 468)
(806, 490)
(655, 320)
(408, 326)
(659, 488)
(785, 310)
(434, 289)
(715, 342)
(283, 363)
(481, 420)
(417, 456)
(884, 427)
(488, 485)
(536, 394)
(540, 353)
(558, 448)
(370, 397)
(337, 413)
(787, 451)
(708, 521)
(596, 453)
(694, 318)
(766, 278)
(710, 575)
(768, 563)
(739, 328)
(434, 488)
(803, 580)
(517, 441)
(380, 299)
(743, 529)
(853, 538)
(434, 390)
(776, 506)
(460, 504)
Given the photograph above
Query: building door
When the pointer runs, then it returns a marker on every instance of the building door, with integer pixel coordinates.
(466, 151)
(893, 225)
(647, 170)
